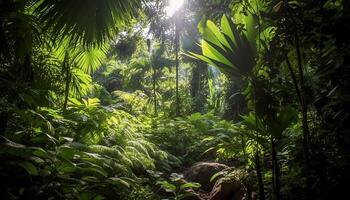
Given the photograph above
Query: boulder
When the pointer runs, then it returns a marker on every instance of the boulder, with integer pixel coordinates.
(225, 189)
(202, 173)
(228, 186)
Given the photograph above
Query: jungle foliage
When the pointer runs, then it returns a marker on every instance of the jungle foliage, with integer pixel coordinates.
(115, 99)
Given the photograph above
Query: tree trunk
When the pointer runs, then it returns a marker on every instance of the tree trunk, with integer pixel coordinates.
(257, 157)
(259, 176)
(68, 77)
(199, 90)
(24, 70)
(304, 110)
(195, 88)
(235, 101)
(177, 40)
(243, 143)
(154, 92)
(303, 104)
(275, 170)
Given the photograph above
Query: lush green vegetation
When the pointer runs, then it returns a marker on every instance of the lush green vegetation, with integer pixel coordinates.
(115, 99)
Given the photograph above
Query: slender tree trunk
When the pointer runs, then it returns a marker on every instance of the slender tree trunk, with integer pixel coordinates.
(177, 40)
(68, 76)
(154, 92)
(5, 46)
(275, 170)
(195, 81)
(28, 73)
(243, 143)
(195, 87)
(66, 91)
(294, 79)
(305, 126)
(257, 157)
(23, 70)
(303, 104)
(304, 110)
(153, 77)
(259, 176)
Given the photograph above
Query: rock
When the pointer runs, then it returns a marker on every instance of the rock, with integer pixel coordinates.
(202, 173)
(230, 187)
(227, 190)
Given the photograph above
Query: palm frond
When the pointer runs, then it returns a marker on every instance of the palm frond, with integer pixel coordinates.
(81, 82)
(89, 22)
(230, 50)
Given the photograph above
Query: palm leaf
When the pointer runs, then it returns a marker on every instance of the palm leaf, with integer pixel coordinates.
(229, 49)
(88, 21)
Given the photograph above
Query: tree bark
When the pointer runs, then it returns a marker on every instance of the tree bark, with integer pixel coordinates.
(275, 170)
(303, 104)
(68, 76)
(259, 176)
(304, 110)
(257, 157)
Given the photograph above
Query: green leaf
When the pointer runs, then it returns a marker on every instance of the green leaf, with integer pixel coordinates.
(201, 57)
(190, 185)
(39, 152)
(36, 159)
(208, 139)
(167, 186)
(214, 53)
(94, 169)
(226, 28)
(209, 35)
(208, 150)
(90, 179)
(99, 197)
(118, 181)
(220, 37)
(229, 49)
(91, 23)
(67, 152)
(29, 167)
(251, 29)
(66, 167)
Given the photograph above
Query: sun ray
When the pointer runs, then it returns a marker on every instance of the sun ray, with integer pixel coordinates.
(173, 6)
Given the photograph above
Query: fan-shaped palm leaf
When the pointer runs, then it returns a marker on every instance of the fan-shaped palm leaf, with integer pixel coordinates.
(87, 21)
(81, 82)
(87, 59)
(229, 49)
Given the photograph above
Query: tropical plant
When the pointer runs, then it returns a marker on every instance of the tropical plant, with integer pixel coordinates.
(231, 50)
(179, 187)
(57, 149)
(90, 110)
(87, 22)
(234, 52)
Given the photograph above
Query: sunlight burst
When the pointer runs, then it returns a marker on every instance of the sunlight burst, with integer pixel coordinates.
(174, 5)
